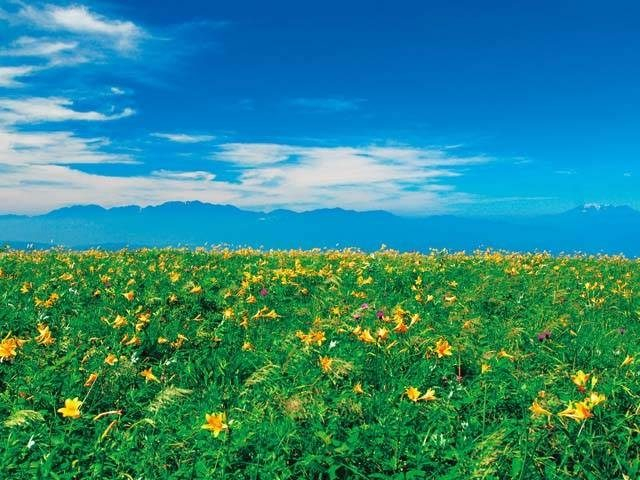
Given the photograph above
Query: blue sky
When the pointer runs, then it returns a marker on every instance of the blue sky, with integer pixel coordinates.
(417, 107)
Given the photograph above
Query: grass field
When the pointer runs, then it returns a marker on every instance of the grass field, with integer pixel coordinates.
(175, 364)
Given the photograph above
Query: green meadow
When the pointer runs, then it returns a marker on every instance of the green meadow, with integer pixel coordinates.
(318, 365)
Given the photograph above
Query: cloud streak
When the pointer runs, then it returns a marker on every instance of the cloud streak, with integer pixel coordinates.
(50, 109)
(9, 75)
(21, 149)
(121, 35)
(36, 47)
(183, 137)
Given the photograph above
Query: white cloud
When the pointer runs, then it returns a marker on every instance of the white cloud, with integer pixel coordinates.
(117, 91)
(251, 154)
(37, 47)
(38, 188)
(399, 179)
(9, 75)
(31, 148)
(49, 109)
(78, 19)
(195, 176)
(183, 137)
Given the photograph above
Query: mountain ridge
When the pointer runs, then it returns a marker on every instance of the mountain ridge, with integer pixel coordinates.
(585, 228)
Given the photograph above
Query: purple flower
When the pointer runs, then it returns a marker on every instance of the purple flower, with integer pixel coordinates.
(622, 330)
(542, 336)
(356, 316)
(364, 306)
(264, 292)
(380, 314)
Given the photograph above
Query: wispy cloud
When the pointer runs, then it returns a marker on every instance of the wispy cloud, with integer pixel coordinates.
(37, 47)
(9, 75)
(400, 179)
(327, 104)
(21, 149)
(122, 35)
(194, 176)
(183, 137)
(49, 109)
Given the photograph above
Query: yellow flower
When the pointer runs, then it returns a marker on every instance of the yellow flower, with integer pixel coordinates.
(149, 376)
(26, 287)
(44, 337)
(129, 295)
(179, 341)
(215, 423)
(595, 399)
(311, 338)
(443, 348)
(413, 393)
(111, 359)
(143, 320)
(71, 408)
(119, 322)
(401, 327)
(468, 325)
(579, 412)
(246, 346)
(581, 379)
(318, 337)
(450, 299)
(503, 354)
(271, 314)
(91, 379)
(429, 395)
(485, 368)
(383, 334)
(415, 396)
(196, 289)
(130, 341)
(325, 363)
(9, 348)
(627, 361)
(174, 277)
(366, 337)
(228, 313)
(357, 388)
(537, 410)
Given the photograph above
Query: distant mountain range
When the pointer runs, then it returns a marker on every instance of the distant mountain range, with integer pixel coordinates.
(588, 229)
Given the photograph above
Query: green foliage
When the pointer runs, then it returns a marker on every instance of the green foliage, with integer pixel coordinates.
(299, 365)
